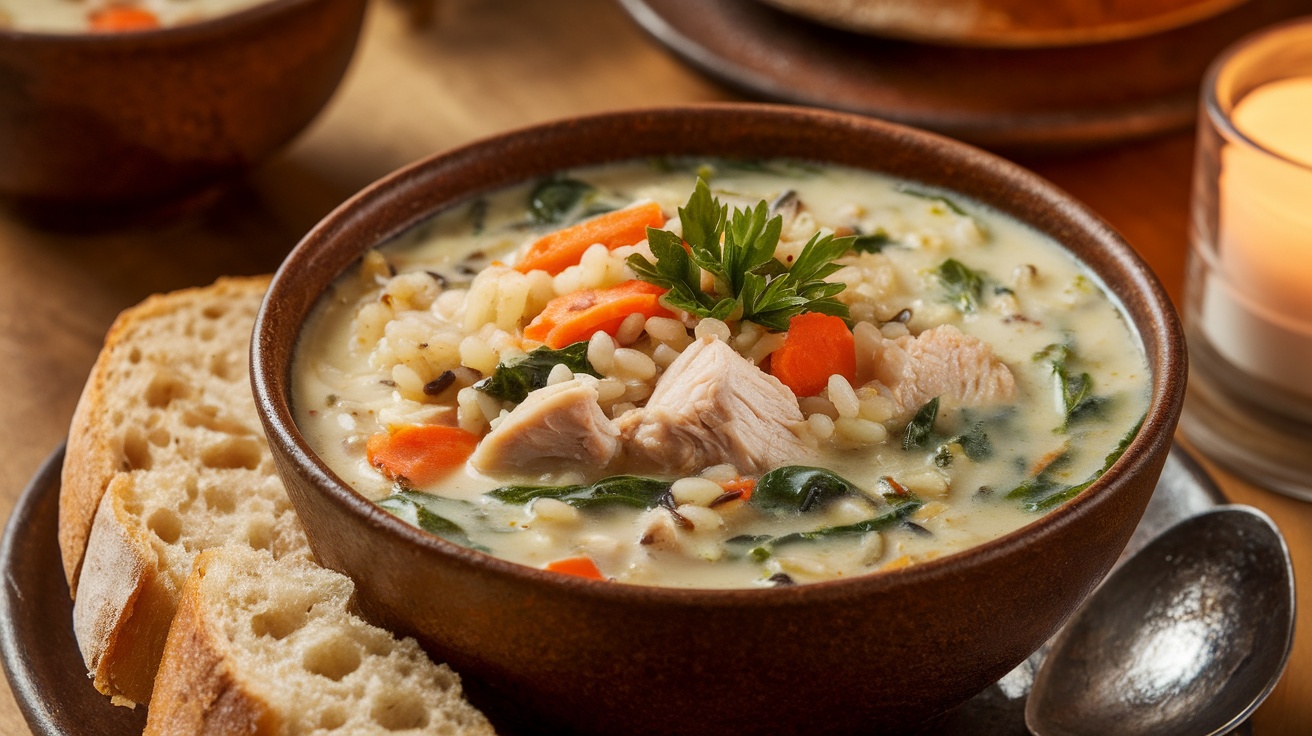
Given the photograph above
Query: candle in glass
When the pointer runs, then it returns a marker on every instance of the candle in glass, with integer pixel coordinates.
(1258, 315)
(1248, 295)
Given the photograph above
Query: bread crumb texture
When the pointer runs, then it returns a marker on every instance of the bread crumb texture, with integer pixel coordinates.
(167, 458)
(284, 633)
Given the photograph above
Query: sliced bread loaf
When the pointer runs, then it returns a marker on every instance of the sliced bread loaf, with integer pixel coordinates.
(270, 647)
(166, 458)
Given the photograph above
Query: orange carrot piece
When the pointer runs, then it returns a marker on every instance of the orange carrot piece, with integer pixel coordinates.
(557, 251)
(816, 347)
(579, 314)
(583, 567)
(420, 454)
(742, 485)
(119, 18)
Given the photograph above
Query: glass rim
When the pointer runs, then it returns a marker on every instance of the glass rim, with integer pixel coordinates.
(1221, 119)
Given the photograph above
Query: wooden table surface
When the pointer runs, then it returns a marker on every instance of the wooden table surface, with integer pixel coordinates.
(484, 67)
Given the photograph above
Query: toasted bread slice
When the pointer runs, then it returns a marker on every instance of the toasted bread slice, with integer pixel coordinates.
(270, 647)
(166, 458)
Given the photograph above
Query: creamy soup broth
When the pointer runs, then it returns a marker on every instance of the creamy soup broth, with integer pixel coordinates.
(80, 16)
(1036, 377)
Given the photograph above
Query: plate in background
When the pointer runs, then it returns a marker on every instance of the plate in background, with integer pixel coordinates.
(1005, 99)
(1006, 23)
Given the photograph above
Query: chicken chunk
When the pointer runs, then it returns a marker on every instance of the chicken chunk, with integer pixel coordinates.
(713, 406)
(563, 421)
(941, 361)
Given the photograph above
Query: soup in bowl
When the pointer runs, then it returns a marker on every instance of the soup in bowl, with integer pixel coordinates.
(807, 396)
(137, 106)
(842, 373)
(111, 16)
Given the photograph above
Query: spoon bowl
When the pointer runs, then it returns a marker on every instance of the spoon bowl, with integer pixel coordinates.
(1187, 637)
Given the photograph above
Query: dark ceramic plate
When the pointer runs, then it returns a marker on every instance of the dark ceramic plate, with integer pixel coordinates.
(41, 657)
(46, 672)
(1015, 100)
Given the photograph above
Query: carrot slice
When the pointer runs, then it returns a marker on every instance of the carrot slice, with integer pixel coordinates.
(816, 347)
(557, 251)
(420, 454)
(583, 567)
(579, 314)
(119, 18)
(744, 486)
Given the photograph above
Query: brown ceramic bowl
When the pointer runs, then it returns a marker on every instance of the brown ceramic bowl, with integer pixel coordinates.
(874, 654)
(159, 114)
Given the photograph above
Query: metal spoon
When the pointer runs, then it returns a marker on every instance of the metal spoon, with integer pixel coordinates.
(1186, 637)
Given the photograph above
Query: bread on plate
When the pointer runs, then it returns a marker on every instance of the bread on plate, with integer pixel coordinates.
(167, 459)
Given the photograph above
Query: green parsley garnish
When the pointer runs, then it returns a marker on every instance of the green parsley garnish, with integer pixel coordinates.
(738, 251)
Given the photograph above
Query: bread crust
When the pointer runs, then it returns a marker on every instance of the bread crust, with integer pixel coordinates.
(198, 691)
(92, 459)
(125, 602)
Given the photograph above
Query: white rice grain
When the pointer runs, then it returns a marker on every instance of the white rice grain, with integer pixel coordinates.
(696, 491)
(861, 431)
(633, 364)
(631, 329)
(712, 328)
(843, 397)
(601, 352)
(560, 373)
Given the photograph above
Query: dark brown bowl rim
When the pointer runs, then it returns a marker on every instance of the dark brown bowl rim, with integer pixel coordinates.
(1152, 441)
(183, 33)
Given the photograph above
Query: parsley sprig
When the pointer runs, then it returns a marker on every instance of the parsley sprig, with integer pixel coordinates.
(748, 282)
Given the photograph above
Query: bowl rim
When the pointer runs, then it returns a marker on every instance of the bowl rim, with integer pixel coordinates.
(1152, 440)
(182, 33)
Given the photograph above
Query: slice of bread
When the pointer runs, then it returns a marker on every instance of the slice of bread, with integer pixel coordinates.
(166, 458)
(170, 383)
(270, 647)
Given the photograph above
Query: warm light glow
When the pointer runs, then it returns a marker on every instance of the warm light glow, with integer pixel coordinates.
(1261, 317)
(1278, 116)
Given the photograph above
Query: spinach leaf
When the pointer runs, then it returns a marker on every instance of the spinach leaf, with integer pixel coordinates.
(921, 426)
(623, 490)
(412, 507)
(964, 286)
(975, 443)
(553, 199)
(799, 489)
(1043, 493)
(902, 508)
(477, 215)
(933, 197)
(514, 381)
(1076, 390)
(872, 242)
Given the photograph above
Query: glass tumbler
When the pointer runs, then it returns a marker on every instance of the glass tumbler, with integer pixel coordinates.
(1248, 288)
